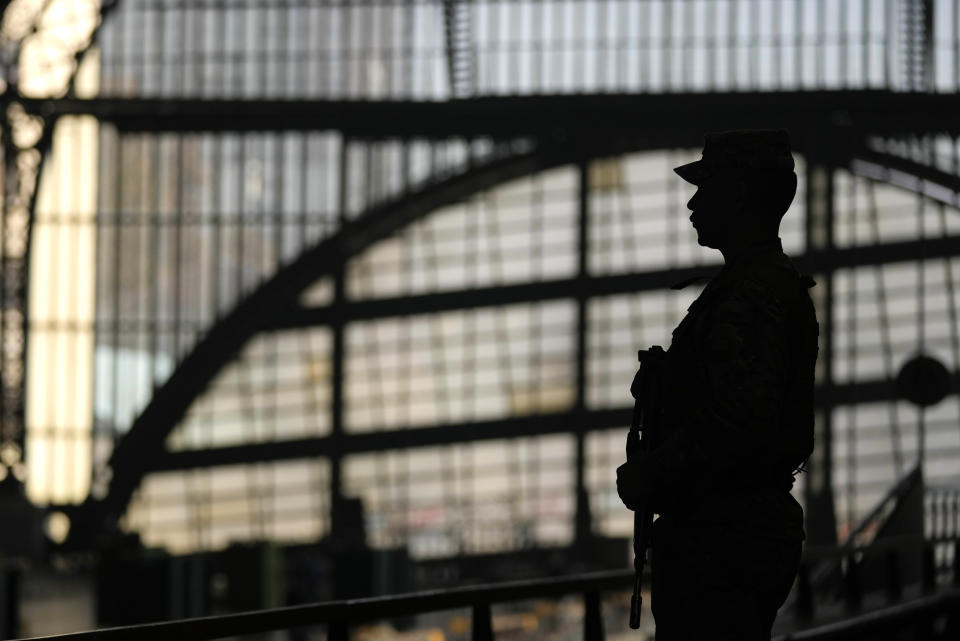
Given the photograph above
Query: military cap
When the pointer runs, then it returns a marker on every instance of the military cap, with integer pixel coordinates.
(746, 150)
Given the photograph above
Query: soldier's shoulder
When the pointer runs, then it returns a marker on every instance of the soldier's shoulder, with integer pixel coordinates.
(775, 278)
(765, 291)
(776, 272)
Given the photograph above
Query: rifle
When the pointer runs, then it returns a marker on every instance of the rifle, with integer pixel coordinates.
(646, 390)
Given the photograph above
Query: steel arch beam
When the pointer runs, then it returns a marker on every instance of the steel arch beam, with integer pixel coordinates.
(135, 454)
(908, 174)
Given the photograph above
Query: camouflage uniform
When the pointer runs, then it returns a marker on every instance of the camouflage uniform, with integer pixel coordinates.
(737, 423)
(738, 420)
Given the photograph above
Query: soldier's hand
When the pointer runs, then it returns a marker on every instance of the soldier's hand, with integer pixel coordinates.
(632, 484)
(635, 385)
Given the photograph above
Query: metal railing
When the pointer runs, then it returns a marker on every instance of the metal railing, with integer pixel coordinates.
(870, 561)
(935, 617)
(937, 611)
(881, 570)
(340, 616)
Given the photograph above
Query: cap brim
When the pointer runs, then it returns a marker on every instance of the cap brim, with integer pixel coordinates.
(693, 172)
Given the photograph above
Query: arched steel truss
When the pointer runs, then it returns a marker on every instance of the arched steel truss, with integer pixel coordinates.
(274, 306)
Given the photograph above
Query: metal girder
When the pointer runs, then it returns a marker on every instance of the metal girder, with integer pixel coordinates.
(134, 454)
(665, 119)
(486, 297)
(352, 443)
(512, 427)
(819, 227)
(599, 285)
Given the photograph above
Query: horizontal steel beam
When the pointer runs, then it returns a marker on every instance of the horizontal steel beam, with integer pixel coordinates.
(670, 119)
(379, 441)
(813, 262)
(488, 297)
(511, 427)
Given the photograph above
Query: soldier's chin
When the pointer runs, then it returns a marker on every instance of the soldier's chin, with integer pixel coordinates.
(704, 240)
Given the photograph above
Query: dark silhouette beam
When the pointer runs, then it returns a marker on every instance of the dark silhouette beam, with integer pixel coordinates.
(671, 119)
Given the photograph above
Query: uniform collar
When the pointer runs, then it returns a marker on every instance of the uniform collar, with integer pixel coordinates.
(774, 246)
(760, 249)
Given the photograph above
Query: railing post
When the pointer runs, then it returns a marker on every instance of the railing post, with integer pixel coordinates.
(929, 568)
(853, 592)
(592, 617)
(894, 582)
(338, 631)
(482, 624)
(956, 563)
(924, 628)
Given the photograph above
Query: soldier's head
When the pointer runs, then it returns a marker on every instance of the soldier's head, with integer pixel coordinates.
(745, 184)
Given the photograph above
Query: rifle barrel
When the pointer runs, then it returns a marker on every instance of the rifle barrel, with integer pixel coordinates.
(645, 410)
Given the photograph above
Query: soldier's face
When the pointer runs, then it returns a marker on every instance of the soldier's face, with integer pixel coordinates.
(716, 210)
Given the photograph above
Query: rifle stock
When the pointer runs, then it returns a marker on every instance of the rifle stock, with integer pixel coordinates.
(644, 432)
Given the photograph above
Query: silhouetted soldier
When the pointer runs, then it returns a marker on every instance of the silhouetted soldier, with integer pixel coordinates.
(737, 408)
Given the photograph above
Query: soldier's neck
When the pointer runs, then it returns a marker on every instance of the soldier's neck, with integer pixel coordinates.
(734, 252)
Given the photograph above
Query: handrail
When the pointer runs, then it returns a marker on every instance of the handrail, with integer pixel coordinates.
(897, 542)
(896, 493)
(340, 614)
(356, 611)
(917, 610)
(829, 559)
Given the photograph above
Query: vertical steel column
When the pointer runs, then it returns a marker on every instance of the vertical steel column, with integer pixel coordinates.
(337, 356)
(458, 40)
(916, 44)
(336, 405)
(820, 509)
(929, 46)
(582, 531)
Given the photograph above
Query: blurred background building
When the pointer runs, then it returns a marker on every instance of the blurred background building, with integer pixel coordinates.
(315, 299)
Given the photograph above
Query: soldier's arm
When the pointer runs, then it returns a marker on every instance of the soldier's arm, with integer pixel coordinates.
(742, 378)
(745, 366)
